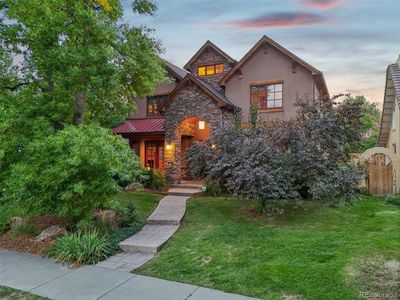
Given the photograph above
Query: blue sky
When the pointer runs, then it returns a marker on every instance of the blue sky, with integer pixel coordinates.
(351, 41)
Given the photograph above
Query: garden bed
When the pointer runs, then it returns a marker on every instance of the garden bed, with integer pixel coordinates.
(144, 203)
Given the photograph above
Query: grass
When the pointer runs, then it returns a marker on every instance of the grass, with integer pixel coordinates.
(7, 293)
(312, 253)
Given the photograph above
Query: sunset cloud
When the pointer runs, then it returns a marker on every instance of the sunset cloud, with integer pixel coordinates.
(322, 4)
(277, 20)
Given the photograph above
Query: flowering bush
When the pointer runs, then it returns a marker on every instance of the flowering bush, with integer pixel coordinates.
(307, 157)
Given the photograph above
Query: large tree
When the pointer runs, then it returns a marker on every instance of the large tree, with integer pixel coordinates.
(370, 118)
(79, 55)
(69, 62)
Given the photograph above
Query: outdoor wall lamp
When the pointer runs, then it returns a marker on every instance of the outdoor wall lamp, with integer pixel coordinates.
(168, 146)
(202, 125)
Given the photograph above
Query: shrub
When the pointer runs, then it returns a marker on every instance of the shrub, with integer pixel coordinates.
(25, 229)
(130, 216)
(80, 248)
(279, 162)
(212, 189)
(393, 199)
(72, 172)
(156, 180)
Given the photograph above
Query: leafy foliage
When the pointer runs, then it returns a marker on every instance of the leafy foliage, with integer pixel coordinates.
(369, 119)
(72, 172)
(393, 199)
(155, 180)
(80, 248)
(283, 161)
(86, 69)
(25, 229)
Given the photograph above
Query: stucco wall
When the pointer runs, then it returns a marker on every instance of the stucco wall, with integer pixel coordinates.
(270, 66)
(394, 133)
(160, 89)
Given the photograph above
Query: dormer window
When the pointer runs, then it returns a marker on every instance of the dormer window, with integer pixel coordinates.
(210, 70)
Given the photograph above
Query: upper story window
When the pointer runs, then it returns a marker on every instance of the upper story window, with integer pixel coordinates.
(210, 70)
(267, 96)
(153, 103)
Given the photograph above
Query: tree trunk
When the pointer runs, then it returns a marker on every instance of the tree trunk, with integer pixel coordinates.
(79, 111)
(80, 97)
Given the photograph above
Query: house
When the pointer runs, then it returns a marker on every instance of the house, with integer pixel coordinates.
(389, 135)
(206, 94)
(384, 160)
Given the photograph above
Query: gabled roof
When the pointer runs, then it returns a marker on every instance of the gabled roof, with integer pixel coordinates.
(142, 125)
(318, 76)
(178, 72)
(391, 98)
(213, 46)
(217, 96)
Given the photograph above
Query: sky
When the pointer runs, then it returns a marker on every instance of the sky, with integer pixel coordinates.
(351, 41)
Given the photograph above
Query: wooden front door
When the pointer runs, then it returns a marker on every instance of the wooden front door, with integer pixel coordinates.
(154, 154)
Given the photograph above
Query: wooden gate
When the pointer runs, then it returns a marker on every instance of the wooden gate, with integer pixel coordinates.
(380, 180)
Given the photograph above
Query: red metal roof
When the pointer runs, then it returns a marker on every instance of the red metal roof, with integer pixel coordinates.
(145, 125)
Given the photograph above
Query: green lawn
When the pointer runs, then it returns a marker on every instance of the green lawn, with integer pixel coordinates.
(7, 293)
(313, 253)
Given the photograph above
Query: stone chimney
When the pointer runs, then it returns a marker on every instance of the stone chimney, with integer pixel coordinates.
(398, 61)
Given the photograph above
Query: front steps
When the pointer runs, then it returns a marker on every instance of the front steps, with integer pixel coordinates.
(186, 188)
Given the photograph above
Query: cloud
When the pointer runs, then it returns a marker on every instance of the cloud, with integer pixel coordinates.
(322, 4)
(277, 20)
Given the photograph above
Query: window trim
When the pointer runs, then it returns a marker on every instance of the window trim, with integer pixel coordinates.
(158, 104)
(269, 82)
(214, 68)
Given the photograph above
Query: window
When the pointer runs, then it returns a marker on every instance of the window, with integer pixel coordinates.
(154, 155)
(153, 103)
(267, 96)
(210, 70)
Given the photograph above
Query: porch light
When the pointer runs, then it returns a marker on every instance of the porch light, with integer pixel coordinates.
(202, 125)
(213, 146)
(168, 147)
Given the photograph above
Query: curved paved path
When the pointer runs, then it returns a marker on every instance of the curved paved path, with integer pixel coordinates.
(160, 226)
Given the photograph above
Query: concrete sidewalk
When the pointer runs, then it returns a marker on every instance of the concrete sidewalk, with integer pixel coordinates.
(47, 278)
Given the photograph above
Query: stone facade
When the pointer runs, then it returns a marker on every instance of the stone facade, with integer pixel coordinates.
(210, 57)
(190, 102)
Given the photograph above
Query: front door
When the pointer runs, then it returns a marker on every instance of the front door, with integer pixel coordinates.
(154, 154)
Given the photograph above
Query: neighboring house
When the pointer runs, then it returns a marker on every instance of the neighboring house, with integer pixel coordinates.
(206, 94)
(389, 135)
(384, 160)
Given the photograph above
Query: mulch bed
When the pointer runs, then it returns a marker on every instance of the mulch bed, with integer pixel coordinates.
(27, 243)
(23, 243)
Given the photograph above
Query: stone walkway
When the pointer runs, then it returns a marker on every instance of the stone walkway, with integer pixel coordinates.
(160, 226)
(47, 278)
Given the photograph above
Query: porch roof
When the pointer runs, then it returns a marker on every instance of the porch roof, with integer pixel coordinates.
(142, 125)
